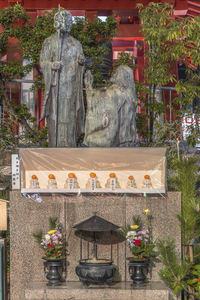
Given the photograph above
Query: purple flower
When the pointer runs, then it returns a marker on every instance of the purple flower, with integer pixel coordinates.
(59, 235)
(59, 226)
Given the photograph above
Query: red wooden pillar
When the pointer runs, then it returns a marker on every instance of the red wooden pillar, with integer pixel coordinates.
(91, 14)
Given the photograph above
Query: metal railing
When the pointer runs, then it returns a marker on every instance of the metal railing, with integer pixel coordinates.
(22, 89)
(28, 96)
(171, 90)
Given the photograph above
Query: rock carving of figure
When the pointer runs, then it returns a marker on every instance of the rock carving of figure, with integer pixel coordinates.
(62, 64)
(111, 111)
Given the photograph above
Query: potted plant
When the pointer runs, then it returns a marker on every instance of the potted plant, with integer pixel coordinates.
(141, 245)
(54, 248)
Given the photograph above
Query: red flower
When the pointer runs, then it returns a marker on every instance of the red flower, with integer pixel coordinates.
(140, 257)
(51, 245)
(137, 242)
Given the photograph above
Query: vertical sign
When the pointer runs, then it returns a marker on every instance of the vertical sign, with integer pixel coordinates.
(15, 172)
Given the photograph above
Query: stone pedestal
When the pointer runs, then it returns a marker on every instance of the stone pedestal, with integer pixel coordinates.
(75, 291)
(27, 216)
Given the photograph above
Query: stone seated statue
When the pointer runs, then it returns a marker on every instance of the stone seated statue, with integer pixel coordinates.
(111, 111)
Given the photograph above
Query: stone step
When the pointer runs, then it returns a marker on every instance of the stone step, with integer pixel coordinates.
(75, 291)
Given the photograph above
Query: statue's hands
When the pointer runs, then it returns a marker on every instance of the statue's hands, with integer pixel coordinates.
(81, 59)
(56, 65)
(88, 80)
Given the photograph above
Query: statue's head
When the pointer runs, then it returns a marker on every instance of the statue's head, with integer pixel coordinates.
(63, 21)
(123, 77)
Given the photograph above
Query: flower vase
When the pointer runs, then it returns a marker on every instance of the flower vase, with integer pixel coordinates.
(53, 269)
(138, 270)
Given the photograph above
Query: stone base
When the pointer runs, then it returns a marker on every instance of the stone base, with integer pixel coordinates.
(75, 291)
(28, 216)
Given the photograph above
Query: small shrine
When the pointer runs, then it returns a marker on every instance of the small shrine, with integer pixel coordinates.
(93, 170)
(60, 182)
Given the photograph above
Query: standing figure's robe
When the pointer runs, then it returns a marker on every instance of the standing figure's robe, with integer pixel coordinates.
(67, 107)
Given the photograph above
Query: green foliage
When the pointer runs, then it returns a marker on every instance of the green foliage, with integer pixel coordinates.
(94, 36)
(11, 14)
(174, 273)
(169, 131)
(178, 275)
(125, 59)
(155, 19)
(184, 275)
(33, 36)
(52, 222)
(140, 241)
(167, 41)
(52, 243)
(142, 125)
(54, 252)
(194, 283)
(38, 235)
(137, 221)
(185, 180)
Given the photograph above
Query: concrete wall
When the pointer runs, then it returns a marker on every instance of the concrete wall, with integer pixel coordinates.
(26, 216)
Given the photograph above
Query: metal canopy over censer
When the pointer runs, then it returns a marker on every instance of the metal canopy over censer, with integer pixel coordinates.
(92, 269)
(96, 224)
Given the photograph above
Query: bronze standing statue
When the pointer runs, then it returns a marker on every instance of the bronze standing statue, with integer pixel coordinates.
(62, 64)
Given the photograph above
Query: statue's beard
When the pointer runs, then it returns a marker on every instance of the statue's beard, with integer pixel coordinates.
(62, 28)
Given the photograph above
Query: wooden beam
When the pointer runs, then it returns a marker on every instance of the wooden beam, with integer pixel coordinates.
(192, 13)
(181, 8)
(195, 3)
(84, 4)
(194, 8)
(129, 31)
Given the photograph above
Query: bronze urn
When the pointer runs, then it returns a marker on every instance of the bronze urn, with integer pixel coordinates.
(95, 270)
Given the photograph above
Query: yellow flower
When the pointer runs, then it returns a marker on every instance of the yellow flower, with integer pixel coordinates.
(146, 211)
(134, 226)
(52, 231)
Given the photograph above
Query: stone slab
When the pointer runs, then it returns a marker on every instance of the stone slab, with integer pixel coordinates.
(27, 216)
(75, 291)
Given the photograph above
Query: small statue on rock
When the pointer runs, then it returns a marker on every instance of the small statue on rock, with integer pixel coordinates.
(111, 111)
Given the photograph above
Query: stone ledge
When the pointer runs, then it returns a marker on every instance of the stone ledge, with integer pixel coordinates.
(75, 291)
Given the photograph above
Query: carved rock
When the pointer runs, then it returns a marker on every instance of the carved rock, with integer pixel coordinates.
(111, 111)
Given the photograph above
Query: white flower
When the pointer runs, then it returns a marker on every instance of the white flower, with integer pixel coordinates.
(47, 237)
(130, 235)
